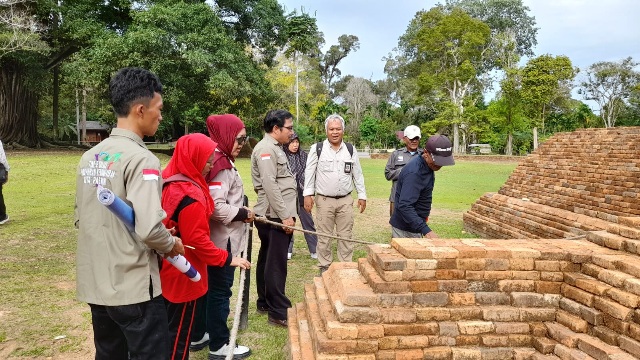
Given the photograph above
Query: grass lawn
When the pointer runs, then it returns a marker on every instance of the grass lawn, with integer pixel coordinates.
(39, 315)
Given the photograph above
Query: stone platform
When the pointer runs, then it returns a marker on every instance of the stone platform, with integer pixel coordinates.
(559, 280)
(573, 183)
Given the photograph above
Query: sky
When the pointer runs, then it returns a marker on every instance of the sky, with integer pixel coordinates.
(587, 31)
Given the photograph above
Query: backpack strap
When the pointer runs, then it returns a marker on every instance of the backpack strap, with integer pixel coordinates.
(319, 148)
(179, 177)
(350, 148)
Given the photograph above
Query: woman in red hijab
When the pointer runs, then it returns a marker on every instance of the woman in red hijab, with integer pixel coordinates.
(227, 225)
(186, 200)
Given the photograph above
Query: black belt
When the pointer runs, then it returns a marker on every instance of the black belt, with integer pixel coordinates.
(336, 197)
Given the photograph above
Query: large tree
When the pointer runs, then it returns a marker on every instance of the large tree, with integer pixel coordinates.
(610, 84)
(65, 27)
(546, 80)
(329, 61)
(445, 52)
(203, 69)
(359, 97)
(504, 17)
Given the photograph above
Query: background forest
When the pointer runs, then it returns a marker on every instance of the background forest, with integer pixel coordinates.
(465, 68)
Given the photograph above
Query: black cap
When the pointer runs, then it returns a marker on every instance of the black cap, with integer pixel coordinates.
(440, 149)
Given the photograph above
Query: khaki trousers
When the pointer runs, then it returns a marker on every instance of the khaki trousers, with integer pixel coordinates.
(334, 216)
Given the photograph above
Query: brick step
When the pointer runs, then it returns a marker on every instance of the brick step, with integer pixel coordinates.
(457, 353)
(386, 258)
(345, 284)
(626, 231)
(522, 222)
(617, 274)
(613, 241)
(377, 283)
(331, 337)
(611, 284)
(299, 341)
(629, 221)
(539, 356)
(535, 225)
(566, 218)
(599, 207)
(571, 345)
(490, 228)
(293, 340)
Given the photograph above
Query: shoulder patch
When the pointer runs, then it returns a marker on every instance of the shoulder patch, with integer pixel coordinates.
(150, 174)
(215, 185)
(266, 156)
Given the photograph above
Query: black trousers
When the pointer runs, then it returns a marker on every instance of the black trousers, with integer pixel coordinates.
(3, 208)
(180, 316)
(271, 270)
(136, 332)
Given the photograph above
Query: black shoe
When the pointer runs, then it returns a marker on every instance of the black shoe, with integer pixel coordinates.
(276, 322)
(262, 310)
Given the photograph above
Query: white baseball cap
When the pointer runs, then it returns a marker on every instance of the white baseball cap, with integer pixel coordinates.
(412, 131)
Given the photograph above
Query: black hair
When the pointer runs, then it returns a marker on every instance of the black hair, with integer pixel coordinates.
(130, 85)
(275, 118)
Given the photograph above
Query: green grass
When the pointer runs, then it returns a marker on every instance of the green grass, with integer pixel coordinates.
(37, 251)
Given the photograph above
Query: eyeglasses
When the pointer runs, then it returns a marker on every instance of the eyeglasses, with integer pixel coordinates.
(290, 128)
(241, 139)
(415, 139)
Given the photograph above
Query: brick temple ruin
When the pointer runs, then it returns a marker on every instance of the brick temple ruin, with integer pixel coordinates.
(557, 275)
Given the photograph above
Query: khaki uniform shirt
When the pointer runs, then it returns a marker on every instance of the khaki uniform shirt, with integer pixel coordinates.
(273, 181)
(114, 266)
(227, 193)
(329, 175)
(396, 162)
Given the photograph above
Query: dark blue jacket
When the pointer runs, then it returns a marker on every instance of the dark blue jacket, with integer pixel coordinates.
(413, 197)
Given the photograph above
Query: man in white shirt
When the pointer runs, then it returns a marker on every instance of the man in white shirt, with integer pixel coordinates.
(331, 175)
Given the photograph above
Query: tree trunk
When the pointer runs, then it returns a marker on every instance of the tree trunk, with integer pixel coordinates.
(509, 148)
(18, 107)
(456, 139)
(83, 119)
(56, 95)
(535, 138)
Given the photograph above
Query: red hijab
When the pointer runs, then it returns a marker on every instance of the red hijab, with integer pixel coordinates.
(223, 130)
(189, 158)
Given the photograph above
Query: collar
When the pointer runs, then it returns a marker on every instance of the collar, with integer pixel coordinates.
(329, 144)
(129, 135)
(271, 139)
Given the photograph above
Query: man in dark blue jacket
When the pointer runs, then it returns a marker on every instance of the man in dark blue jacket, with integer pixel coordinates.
(415, 188)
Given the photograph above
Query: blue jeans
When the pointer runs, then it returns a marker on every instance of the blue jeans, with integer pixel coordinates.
(218, 295)
(212, 309)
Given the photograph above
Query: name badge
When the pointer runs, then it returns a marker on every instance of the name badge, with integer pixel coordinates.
(348, 165)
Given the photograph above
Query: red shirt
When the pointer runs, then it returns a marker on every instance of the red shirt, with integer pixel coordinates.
(193, 228)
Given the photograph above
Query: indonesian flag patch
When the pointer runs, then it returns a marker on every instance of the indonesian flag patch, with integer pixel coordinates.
(150, 174)
(215, 185)
(265, 156)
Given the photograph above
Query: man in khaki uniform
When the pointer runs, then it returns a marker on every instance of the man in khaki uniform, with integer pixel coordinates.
(331, 178)
(117, 270)
(276, 188)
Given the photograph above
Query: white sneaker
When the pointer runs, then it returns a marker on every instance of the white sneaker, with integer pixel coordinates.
(289, 256)
(240, 352)
(4, 221)
(200, 344)
(314, 255)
